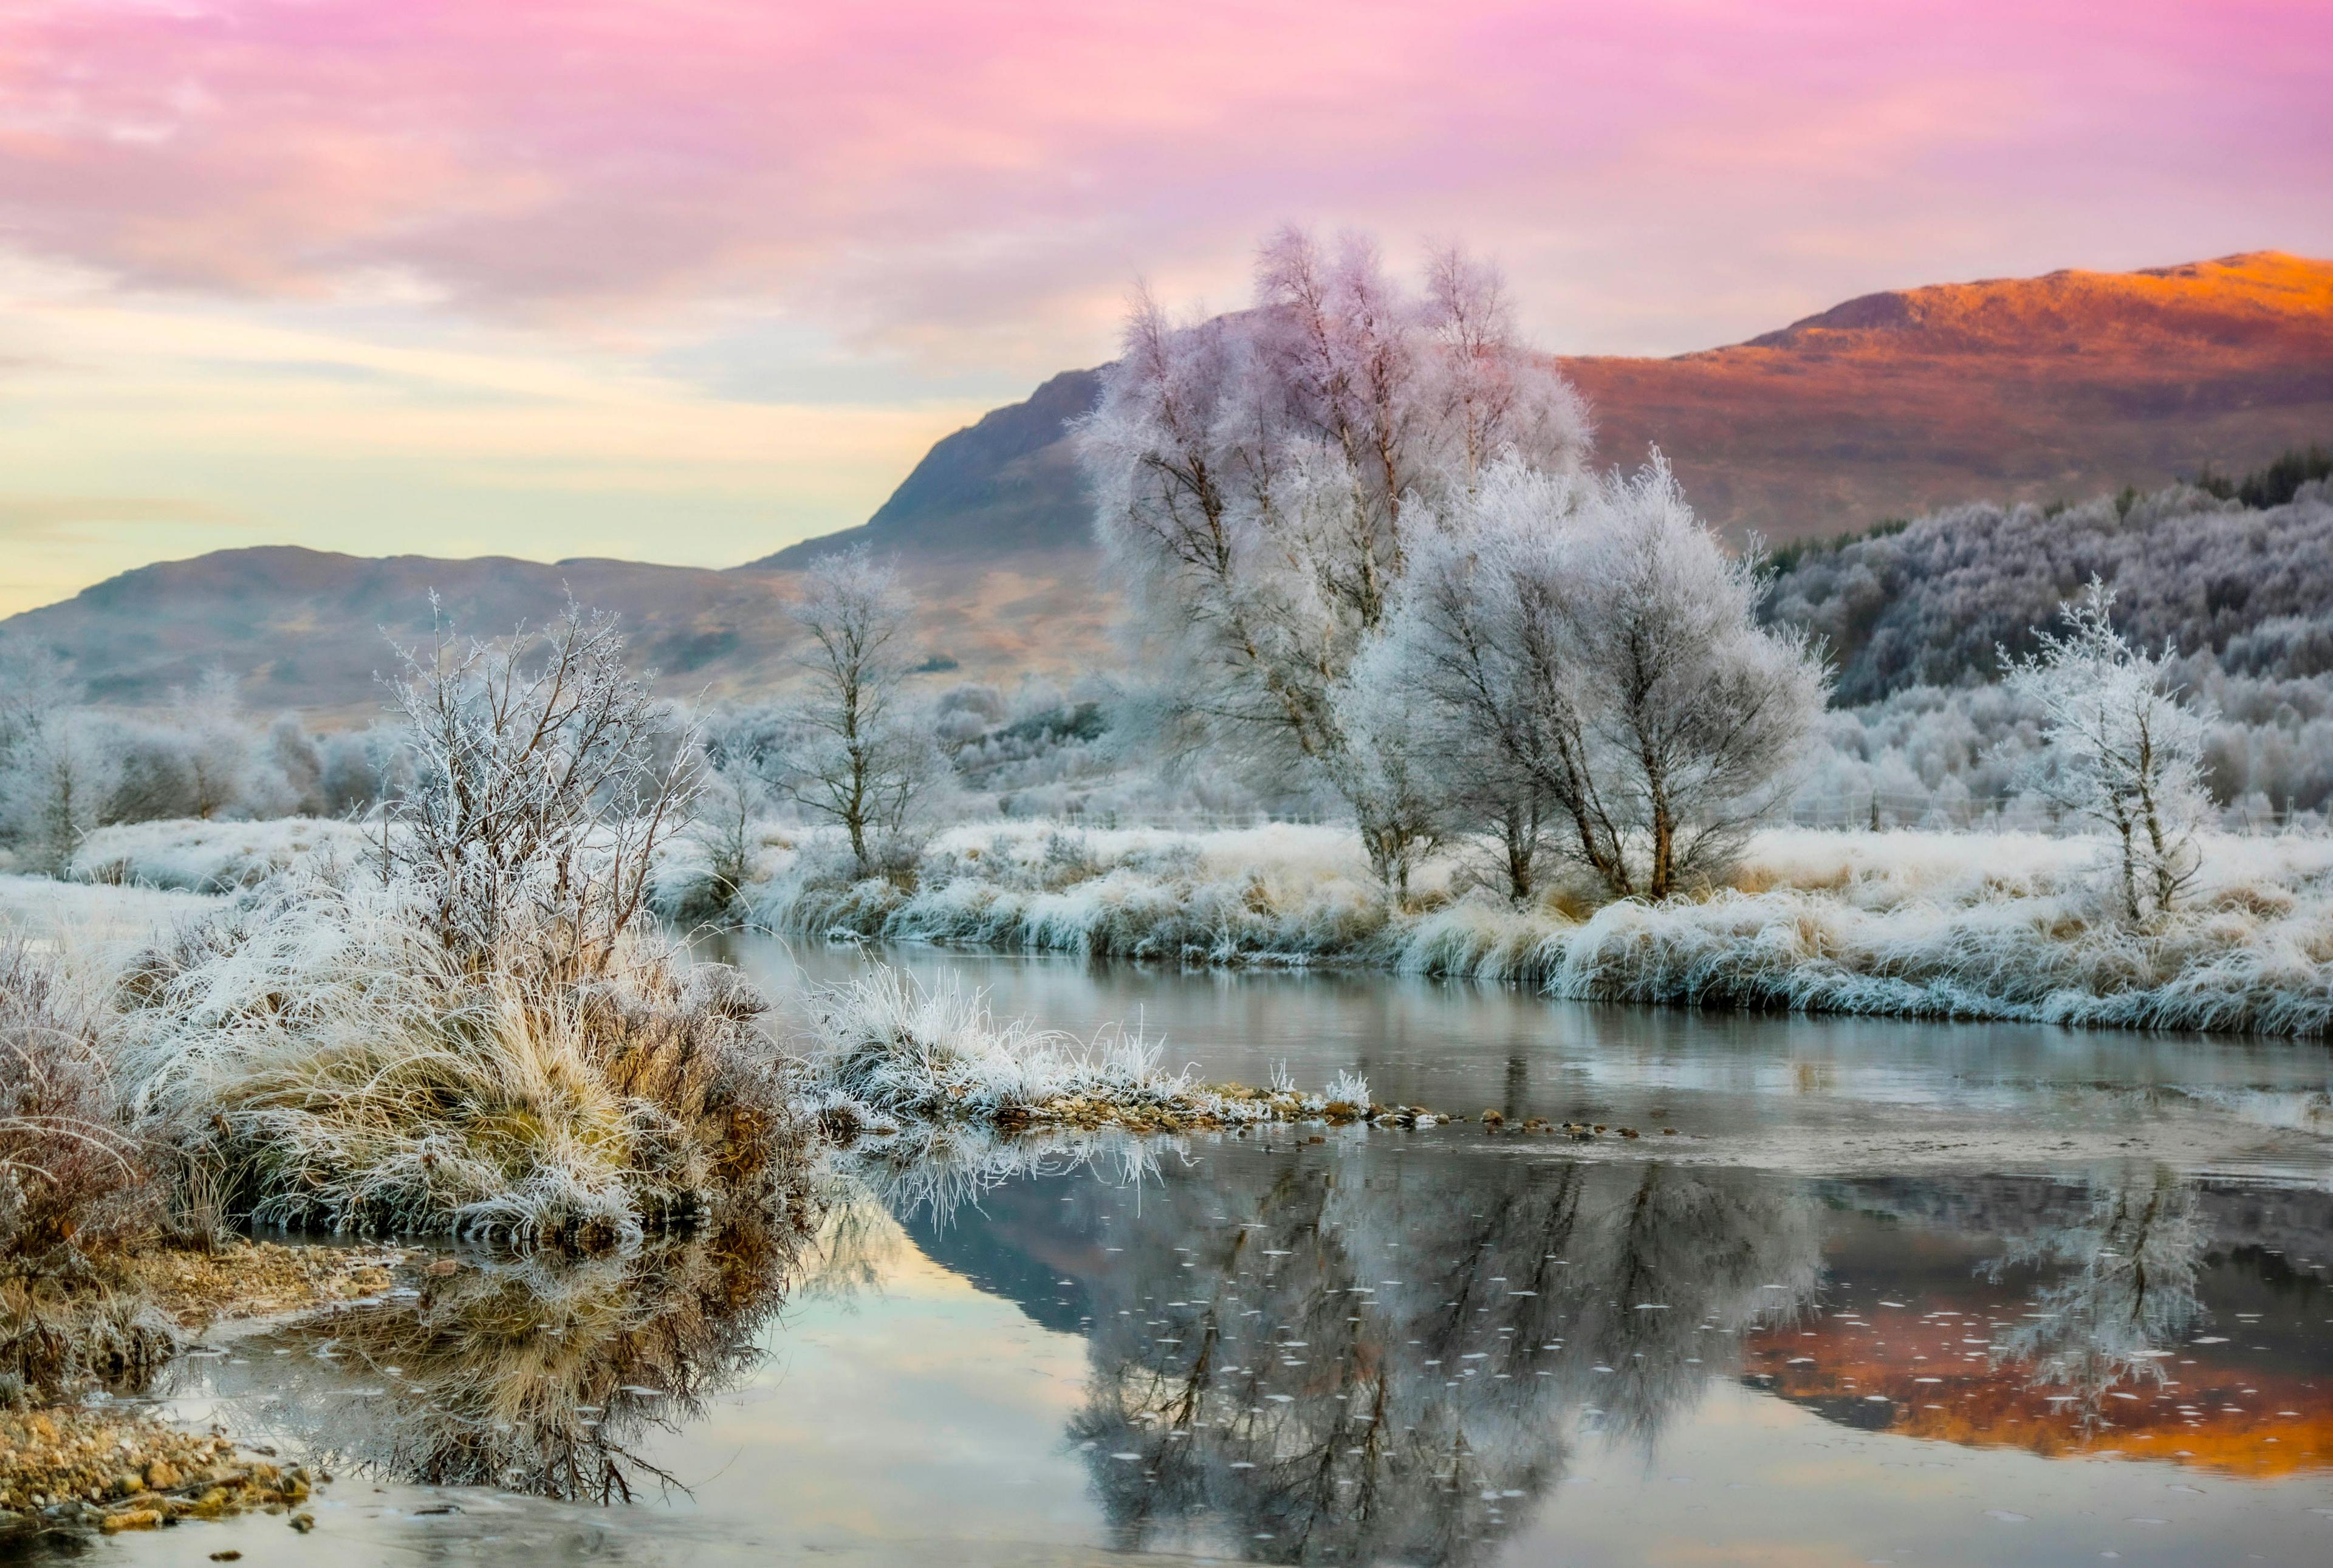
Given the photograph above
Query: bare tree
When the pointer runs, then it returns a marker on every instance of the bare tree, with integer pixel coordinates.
(1259, 478)
(864, 760)
(1589, 650)
(2123, 750)
(727, 825)
(545, 779)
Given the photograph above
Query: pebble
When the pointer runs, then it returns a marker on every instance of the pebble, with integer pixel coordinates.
(95, 1472)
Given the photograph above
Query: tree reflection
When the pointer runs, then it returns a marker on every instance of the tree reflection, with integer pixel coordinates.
(2135, 1258)
(1356, 1360)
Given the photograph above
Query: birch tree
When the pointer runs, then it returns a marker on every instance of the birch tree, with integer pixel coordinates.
(2124, 751)
(1588, 649)
(1261, 478)
(862, 759)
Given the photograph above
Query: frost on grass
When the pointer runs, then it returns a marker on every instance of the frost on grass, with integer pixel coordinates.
(193, 856)
(1998, 925)
(475, 1031)
(888, 1054)
(346, 1068)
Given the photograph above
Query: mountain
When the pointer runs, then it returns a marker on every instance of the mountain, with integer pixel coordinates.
(2055, 388)
(1003, 485)
(1889, 405)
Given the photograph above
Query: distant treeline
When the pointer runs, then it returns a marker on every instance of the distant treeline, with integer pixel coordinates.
(2237, 572)
(2242, 569)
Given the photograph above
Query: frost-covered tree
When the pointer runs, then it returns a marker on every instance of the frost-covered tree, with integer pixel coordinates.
(1932, 602)
(217, 743)
(34, 686)
(2122, 750)
(1588, 649)
(36, 700)
(861, 758)
(1261, 478)
(57, 785)
(544, 781)
(289, 771)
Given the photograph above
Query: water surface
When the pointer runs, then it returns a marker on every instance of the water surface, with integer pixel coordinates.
(2107, 1334)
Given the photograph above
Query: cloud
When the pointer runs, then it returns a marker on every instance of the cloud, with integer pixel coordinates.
(693, 278)
(54, 519)
(933, 176)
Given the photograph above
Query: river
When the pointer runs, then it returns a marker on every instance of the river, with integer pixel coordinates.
(1859, 1291)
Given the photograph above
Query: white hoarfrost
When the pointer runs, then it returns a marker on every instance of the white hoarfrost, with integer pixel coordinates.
(2123, 751)
(213, 856)
(2008, 925)
(1259, 478)
(886, 1052)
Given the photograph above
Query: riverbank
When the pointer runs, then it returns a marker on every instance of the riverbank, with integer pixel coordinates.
(1916, 925)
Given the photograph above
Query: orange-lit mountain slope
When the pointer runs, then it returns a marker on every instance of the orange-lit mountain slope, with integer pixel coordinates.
(2061, 386)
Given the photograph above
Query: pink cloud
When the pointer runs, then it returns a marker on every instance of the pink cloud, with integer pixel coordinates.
(962, 179)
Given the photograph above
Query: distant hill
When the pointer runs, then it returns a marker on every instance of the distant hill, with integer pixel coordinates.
(310, 628)
(1888, 405)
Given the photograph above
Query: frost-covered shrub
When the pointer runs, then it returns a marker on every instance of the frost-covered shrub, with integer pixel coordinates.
(2011, 925)
(76, 1191)
(472, 1031)
(1274, 895)
(322, 1043)
(886, 1050)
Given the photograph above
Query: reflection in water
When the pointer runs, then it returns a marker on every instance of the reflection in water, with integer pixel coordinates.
(540, 1375)
(1358, 1359)
(1371, 1348)
(2130, 1296)
(1377, 1353)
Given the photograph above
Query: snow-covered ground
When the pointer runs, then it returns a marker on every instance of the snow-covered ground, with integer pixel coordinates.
(91, 931)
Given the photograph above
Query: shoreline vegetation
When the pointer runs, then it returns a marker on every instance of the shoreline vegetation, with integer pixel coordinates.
(2010, 926)
(1926, 924)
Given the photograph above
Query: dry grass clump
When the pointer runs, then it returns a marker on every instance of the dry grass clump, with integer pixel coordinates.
(344, 1065)
(887, 1050)
(2044, 959)
(75, 1190)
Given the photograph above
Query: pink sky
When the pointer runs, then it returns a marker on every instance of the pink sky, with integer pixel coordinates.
(843, 228)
